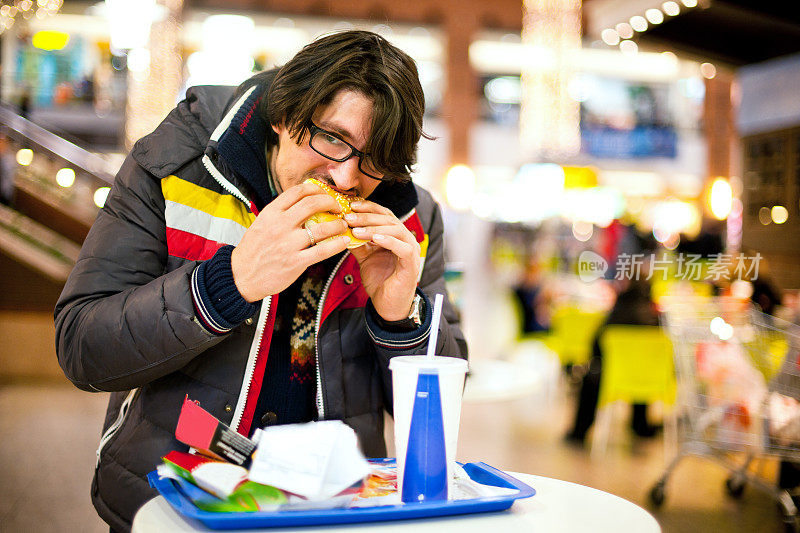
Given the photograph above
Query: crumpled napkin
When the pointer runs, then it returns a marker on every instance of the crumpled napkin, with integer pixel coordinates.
(317, 460)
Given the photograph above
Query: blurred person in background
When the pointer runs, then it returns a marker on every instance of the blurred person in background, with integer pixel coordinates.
(765, 294)
(8, 169)
(25, 103)
(534, 301)
(615, 239)
(199, 279)
(709, 240)
(618, 239)
(633, 306)
(791, 305)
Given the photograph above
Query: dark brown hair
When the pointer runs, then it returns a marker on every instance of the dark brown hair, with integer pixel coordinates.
(361, 61)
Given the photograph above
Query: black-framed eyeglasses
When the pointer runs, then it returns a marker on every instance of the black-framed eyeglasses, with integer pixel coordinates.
(329, 145)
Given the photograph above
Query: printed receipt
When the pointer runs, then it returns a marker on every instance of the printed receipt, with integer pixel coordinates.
(316, 460)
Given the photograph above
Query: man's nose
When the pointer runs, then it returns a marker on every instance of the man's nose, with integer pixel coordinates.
(346, 174)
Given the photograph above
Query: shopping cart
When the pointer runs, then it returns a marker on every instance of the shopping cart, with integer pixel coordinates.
(738, 377)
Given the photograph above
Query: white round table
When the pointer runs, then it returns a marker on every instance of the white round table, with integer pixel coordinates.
(556, 506)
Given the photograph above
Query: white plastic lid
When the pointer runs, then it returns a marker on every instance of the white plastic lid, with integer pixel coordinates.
(423, 363)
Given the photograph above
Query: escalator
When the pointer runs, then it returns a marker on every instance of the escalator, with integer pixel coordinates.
(58, 186)
(35, 262)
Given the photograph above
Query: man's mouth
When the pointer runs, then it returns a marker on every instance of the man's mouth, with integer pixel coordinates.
(330, 183)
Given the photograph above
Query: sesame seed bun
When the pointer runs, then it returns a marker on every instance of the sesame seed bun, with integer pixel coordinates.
(344, 203)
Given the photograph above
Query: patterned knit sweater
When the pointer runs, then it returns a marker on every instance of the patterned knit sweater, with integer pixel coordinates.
(289, 388)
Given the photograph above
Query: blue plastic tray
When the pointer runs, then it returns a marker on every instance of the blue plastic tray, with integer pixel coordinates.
(480, 472)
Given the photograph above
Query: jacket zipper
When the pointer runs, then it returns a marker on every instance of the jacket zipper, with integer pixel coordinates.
(112, 430)
(320, 305)
(320, 403)
(224, 183)
(265, 303)
(215, 136)
(252, 359)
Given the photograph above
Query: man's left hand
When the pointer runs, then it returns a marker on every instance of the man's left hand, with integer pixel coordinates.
(390, 262)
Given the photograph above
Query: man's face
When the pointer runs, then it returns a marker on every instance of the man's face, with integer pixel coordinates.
(349, 116)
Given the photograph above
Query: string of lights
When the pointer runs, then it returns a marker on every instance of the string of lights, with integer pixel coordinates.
(549, 117)
(11, 11)
(155, 74)
(624, 33)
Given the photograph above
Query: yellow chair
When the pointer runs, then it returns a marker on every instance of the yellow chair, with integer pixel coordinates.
(572, 332)
(767, 351)
(662, 289)
(637, 368)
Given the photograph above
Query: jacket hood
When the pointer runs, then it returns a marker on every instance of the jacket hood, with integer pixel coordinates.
(224, 126)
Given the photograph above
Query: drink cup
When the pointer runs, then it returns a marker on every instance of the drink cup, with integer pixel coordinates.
(427, 410)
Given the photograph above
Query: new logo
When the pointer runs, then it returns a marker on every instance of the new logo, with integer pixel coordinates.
(591, 266)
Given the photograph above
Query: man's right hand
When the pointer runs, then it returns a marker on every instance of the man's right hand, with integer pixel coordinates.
(276, 248)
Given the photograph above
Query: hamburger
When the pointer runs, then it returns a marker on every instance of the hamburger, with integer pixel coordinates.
(325, 216)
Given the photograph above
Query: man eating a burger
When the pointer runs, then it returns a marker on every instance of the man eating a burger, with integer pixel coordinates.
(264, 252)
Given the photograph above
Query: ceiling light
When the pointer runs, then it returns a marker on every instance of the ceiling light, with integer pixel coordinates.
(129, 22)
(503, 90)
(283, 22)
(725, 332)
(708, 71)
(779, 214)
(139, 60)
(582, 230)
(764, 216)
(721, 198)
(639, 23)
(460, 187)
(419, 31)
(655, 16)
(65, 177)
(624, 29)
(671, 8)
(628, 47)
(100, 196)
(382, 29)
(24, 9)
(25, 157)
(610, 37)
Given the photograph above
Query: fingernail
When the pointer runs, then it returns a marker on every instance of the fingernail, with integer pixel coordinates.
(350, 217)
(378, 237)
(359, 231)
(355, 204)
(346, 239)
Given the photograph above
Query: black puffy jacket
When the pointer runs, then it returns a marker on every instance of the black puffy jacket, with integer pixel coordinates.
(127, 322)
